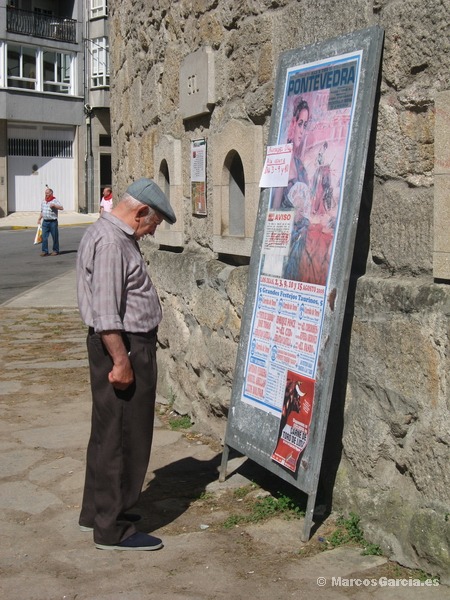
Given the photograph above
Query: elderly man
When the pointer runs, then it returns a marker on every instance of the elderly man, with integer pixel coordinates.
(120, 305)
(50, 207)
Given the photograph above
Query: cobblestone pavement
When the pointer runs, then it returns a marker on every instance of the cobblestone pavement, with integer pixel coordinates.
(44, 427)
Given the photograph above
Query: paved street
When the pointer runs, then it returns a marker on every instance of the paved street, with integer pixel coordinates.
(22, 267)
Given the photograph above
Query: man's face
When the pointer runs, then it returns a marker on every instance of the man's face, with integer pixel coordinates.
(48, 192)
(148, 223)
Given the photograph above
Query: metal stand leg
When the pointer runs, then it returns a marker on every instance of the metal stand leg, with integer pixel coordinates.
(223, 464)
(308, 517)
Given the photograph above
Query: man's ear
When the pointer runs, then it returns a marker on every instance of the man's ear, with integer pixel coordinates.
(142, 211)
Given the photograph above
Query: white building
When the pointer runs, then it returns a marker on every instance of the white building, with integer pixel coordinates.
(54, 129)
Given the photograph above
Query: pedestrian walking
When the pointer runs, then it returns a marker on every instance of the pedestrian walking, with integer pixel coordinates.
(50, 208)
(106, 201)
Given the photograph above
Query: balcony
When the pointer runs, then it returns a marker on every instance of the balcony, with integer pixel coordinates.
(42, 26)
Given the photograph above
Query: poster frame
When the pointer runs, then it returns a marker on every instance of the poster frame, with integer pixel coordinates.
(251, 431)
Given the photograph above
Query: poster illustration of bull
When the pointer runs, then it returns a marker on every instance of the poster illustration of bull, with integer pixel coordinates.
(294, 421)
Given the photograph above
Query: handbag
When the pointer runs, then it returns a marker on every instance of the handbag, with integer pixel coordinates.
(38, 236)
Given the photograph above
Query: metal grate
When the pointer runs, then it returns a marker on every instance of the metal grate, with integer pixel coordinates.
(48, 148)
(57, 148)
(23, 147)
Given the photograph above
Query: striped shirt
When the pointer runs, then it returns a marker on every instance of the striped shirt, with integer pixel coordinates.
(48, 213)
(114, 289)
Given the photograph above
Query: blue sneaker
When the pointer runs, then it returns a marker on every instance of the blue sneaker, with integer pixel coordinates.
(137, 541)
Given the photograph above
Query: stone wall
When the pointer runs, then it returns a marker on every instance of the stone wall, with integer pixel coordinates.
(391, 394)
(202, 300)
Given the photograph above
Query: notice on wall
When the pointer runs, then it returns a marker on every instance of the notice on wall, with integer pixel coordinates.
(198, 177)
(276, 166)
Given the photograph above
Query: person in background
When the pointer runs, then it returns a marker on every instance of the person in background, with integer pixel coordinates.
(120, 305)
(49, 216)
(106, 202)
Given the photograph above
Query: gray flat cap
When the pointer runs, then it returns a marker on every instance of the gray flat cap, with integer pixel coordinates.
(148, 192)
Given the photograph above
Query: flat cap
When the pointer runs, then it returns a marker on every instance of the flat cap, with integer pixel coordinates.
(148, 192)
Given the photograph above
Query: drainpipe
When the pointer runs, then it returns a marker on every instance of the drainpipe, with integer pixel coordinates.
(89, 157)
(89, 160)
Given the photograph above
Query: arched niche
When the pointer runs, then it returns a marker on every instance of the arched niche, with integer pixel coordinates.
(167, 161)
(235, 178)
(237, 159)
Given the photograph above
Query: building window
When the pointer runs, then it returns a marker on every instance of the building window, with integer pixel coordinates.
(104, 140)
(99, 62)
(56, 72)
(21, 67)
(105, 172)
(99, 8)
(43, 11)
(39, 70)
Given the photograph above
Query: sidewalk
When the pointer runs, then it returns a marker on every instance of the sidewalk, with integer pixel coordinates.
(44, 429)
(28, 220)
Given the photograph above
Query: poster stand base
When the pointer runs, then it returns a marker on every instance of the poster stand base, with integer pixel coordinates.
(309, 512)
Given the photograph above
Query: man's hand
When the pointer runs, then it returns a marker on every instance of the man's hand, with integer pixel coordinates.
(121, 375)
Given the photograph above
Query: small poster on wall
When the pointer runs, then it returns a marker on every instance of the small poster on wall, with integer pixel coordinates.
(198, 177)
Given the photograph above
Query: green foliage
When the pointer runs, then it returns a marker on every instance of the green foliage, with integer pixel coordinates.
(177, 423)
(233, 520)
(269, 506)
(400, 572)
(371, 550)
(241, 492)
(206, 496)
(349, 531)
(264, 508)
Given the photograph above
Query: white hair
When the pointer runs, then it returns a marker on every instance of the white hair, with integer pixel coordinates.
(132, 203)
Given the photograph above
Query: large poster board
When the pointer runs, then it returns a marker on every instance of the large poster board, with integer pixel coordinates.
(301, 259)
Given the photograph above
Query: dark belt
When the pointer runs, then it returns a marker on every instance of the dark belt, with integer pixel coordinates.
(50, 220)
(144, 334)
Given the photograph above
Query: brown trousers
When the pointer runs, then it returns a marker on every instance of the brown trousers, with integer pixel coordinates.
(119, 447)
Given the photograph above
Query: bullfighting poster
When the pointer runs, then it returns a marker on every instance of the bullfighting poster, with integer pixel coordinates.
(294, 420)
(298, 245)
(302, 254)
